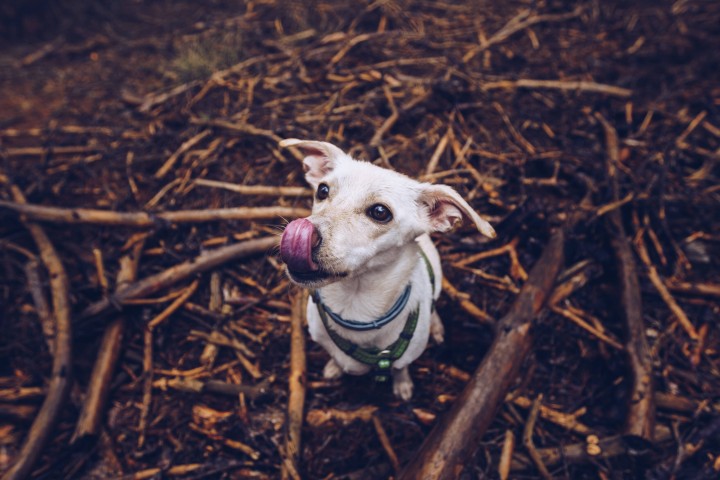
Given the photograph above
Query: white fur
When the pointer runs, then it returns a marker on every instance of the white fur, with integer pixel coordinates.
(371, 263)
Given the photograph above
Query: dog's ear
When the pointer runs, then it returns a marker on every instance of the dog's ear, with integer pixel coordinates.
(445, 207)
(320, 157)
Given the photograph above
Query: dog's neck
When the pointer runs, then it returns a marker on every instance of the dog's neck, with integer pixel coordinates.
(367, 296)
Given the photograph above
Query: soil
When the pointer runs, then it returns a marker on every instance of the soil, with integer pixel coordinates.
(95, 99)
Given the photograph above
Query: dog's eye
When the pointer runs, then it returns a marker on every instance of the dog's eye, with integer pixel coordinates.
(322, 192)
(380, 213)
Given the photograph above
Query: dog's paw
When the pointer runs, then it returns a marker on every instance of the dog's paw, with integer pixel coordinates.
(402, 384)
(437, 331)
(332, 370)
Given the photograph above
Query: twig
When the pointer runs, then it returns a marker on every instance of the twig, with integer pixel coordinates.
(577, 453)
(385, 442)
(187, 145)
(146, 220)
(47, 151)
(171, 276)
(439, 150)
(569, 85)
(568, 421)
(93, 408)
(321, 417)
(691, 288)
(524, 143)
(665, 294)
(506, 455)
(450, 441)
(516, 24)
(194, 385)
(62, 359)
(640, 419)
(256, 189)
(577, 320)
(466, 304)
(528, 440)
(389, 122)
(154, 99)
(297, 380)
(148, 356)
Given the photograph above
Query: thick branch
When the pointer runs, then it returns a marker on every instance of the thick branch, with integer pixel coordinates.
(62, 359)
(455, 437)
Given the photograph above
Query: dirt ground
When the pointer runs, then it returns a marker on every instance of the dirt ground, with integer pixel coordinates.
(139, 106)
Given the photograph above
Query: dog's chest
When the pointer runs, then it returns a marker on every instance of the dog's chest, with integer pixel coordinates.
(420, 301)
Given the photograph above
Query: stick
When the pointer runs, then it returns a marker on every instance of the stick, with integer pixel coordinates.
(640, 419)
(194, 385)
(203, 262)
(256, 189)
(59, 384)
(506, 455)
(297, 380)
(528, 441)
(665, 294)
(385, 442)
(90, 420)
(575, 86)
(187, 145)
(439, 150)
(456, 435)
(466, 304)
(145, 220)
(148, 356)
(516, 24)
(577, 453)
(389, 122)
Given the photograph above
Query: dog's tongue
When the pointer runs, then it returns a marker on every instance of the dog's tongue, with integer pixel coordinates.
(296, 246)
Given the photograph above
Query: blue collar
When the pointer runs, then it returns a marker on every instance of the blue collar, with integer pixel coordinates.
(389, 316)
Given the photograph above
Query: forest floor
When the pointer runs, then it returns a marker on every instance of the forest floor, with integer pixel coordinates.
(537, 112)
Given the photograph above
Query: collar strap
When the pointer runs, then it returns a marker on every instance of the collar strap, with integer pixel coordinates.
(391, 314)
(380, 360)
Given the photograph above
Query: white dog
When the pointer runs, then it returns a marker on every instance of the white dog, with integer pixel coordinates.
(366, 253)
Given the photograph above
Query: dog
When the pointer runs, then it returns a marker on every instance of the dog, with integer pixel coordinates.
(366, 254)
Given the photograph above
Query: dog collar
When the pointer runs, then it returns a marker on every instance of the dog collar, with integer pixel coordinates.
(380, 360)
(389, 316)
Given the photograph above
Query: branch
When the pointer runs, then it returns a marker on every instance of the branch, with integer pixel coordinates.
(145, 220)
(62, 359)
(203, 262)
(641, 414)
(93, 408)
(455, 437)
(296, 399)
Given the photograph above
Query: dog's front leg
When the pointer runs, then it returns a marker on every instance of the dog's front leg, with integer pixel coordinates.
(402, 383)
(332, 370)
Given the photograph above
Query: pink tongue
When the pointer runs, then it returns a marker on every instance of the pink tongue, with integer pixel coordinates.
(296, 246)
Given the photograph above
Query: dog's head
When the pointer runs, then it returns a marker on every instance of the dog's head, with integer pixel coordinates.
(362, 216)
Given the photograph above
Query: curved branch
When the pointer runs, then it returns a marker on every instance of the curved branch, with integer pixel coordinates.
(62, 360)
